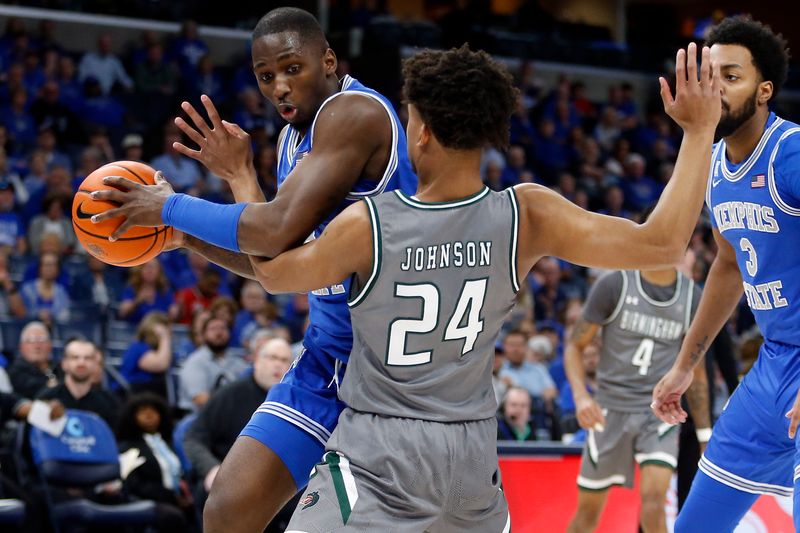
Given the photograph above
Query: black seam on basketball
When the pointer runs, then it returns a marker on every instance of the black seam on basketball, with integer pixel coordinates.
(137, 176)
(152, 245)
(154, 234)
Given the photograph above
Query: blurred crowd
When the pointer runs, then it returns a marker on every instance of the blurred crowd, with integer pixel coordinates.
(179, 343)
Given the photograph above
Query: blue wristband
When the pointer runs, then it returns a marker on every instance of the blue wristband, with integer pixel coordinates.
(215, 224)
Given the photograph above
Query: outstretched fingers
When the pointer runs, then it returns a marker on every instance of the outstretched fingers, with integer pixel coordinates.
(190, 132)
(211, 110)
(199, 122)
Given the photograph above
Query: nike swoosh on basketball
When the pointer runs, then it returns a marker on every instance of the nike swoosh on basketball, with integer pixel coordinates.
(83, 214)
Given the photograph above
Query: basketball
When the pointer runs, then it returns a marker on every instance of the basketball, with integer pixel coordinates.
(134, 247)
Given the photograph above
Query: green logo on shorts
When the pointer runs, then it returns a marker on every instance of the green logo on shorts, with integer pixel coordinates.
(310, 499)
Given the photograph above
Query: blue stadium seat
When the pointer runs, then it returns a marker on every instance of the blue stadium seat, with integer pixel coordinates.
(12, 512)
(89, 329)
(83, 456)
(10, 328)
(177, 440)
(120, 331)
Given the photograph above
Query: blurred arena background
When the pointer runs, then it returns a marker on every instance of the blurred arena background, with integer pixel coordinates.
(86, 82)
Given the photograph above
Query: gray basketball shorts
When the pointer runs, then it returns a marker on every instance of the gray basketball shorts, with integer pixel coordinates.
(405, 475)
(608, 456)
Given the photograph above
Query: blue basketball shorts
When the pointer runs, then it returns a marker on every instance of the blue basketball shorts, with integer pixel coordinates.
(750, 449)
(300, 413)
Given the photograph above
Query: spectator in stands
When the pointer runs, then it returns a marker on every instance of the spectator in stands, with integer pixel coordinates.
(31, 371)
(46, 143)
(11, 303)
(615, 164)
(549, 152)
(522, 372)
(146, 361)
(608, 128)
(252, 113)
(614, 203)
(99, 109)
(493, 177)
(549, 296)
(45, 298)
(145, 424)
(70, 88)
(10, 176)
(499, 384)
(52, 220)
(224, 308)
(148, 291)
(12, 231)
(266, 163)
(514, 420)
(209, 367)
(19, 122)
(253, 301)
(192, 300)
(99, 138)
(568, 398)
(132, 147)
(77, 391)
(515, 166)
(57, 182)
(640, 191)
(104, 67)
(99, 286)
(188, 48)
(183, 173)
(218, 424)
(205, 80)
(14, 407)
(14, 80)
(154, 76)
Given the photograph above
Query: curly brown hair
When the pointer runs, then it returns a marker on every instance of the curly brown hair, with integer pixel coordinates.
(466, 98)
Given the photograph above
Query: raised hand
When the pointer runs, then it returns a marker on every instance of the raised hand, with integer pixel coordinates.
(667, 395)
(696, 104)
(224, 147)
(140, 205)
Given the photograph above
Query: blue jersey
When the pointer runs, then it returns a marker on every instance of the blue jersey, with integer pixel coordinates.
(329, 327)
(755, 205)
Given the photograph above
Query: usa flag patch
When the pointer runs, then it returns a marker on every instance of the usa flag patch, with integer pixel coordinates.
(759, 180)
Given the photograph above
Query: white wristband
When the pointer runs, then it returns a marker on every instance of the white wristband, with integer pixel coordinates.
(703, 435)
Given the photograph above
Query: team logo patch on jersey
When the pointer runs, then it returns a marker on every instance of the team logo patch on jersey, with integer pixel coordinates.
(759, 180)
(309, 500)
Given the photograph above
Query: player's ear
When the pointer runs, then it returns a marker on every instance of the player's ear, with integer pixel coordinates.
(330, 62)
(765, 89)
(424, 136)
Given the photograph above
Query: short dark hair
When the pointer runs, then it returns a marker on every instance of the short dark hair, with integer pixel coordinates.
(294, 20)
(769, 50)
(466, 98)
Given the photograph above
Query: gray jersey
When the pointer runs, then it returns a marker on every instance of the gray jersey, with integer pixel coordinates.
(425, 322)
(641, 335)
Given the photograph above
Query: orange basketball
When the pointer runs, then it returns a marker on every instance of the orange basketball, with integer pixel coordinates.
(137, 245)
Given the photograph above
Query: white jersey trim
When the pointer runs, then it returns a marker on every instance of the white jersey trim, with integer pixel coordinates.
(621, 300)
(745, 168)
(414, 202)
(689, 300)
(507, 527)
(376, 254)
(773, 187)
(349, 481)
(678, 285)
(600, 484)
(514, 238)
(297, 418)
(656, 456)
(740, 483)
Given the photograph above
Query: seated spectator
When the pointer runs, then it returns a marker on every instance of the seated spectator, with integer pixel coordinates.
(104, 67)
(514, 420)
(70, 87)
(45, 298)
(155, 76)
(12, 230)
(19, 122)
(57, 182)
(224, 308)
(524, 373)
(209, 367)
(145, 424)
(591, 359)
(205, 80)
(148, 291)
(515, 166)
(14, 407)
(549, 297)
(52, 220)
(148, 359)
(100, 286)
(31, 371)
(183, 174)
(640, 191)
(46, 143)
(11, 176)
(11, 303)
(101, 110)
(252, 113)
(608, 128)
(132, 147)
(188, 48)
(500, 385)
(77, 391)
(614, 203)
(192, 300)
(218, 424)
(50, 111)
(253, 299)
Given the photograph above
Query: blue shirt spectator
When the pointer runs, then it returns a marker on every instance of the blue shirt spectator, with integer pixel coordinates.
(104, 66)
(45, 298)
(147, 360)
(182, 173)
(522, 372)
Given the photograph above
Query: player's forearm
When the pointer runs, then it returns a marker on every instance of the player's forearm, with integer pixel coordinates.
(675, 216)
(239, 264)
(573, 366)
(245, 187)
(697, 398)
(721, 294)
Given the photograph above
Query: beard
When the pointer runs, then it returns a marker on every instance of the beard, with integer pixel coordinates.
(217, 347)
(730, 121)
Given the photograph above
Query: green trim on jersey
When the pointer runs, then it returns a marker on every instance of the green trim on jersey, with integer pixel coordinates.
(332, 458)
(656, 462)
(587, 489)
(377, 251)
(413, 202)
(514, 238)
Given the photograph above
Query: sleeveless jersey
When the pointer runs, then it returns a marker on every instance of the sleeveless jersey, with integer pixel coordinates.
(425, 322)
(329, 319)
(641, 340)
(755, 207)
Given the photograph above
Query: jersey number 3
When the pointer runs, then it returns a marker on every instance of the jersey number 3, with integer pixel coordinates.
(465, 322)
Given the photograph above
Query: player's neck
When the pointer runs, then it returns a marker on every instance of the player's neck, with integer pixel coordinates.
(741, 143)
(660, 277)
(449, 175)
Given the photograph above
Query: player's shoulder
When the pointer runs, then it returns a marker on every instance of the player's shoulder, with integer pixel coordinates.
(355, 109)
(612, 280)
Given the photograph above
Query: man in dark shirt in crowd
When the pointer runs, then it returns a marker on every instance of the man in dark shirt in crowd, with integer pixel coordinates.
(30, 372)
(221, 420)
(77, 391)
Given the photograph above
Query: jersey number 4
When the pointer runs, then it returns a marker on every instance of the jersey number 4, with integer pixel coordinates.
(465, 322)
(643, 357)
